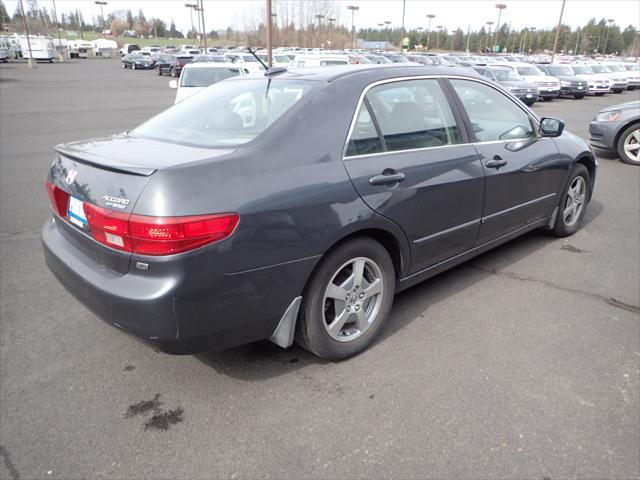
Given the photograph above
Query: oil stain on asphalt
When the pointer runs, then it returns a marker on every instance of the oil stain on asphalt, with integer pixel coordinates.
(161, 419)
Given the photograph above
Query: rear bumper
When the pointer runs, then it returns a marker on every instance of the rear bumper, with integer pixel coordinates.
(183, 304)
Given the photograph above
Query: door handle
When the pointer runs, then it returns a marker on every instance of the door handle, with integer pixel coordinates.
(388, 177)
(496, 162)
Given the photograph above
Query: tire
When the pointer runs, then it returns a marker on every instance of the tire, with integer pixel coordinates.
(579, 96)
(124, 65)
(133, 66)
(547, 99)
(568, 223)
(617, 91)
(159, 71)
(172, 72)
(334, 276)
(600, 94)
(630, 136)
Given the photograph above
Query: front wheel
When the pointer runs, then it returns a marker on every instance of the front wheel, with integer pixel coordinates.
(629, 145)
(573, 202)
(347, 301)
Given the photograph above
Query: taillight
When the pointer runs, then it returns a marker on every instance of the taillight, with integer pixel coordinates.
(59, 199)
(157, 235)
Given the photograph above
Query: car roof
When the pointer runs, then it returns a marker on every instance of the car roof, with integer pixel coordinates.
(211, 65)
(375, 72)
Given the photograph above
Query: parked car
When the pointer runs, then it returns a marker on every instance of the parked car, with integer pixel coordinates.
(246, 60)
(598, 84)
(128, 48)
(162, 62)
(203, 229)
(510, 80)
(136, 61)
(617, 128)
(378, 58)
(633, 77)
(319, 60)
(570, 83)
(195, 77)
(211, 59)
(548, 87)
(618, 80)
(633, 74)
(4, 55)
(174, 65)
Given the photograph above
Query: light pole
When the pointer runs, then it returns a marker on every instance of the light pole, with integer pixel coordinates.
(606, 39)
(274, 26)
(101, 3)
(488, 37)
(380, 25)
(387, 23)
(331, 22)
(532, 31)
(192, 7)
(500, 7)
(575, 51)
(319, 18)
(404, 5)
(598, 45)
(439, 27)
(430, 17)
(204, 30)
(353, 9)
(269, 29)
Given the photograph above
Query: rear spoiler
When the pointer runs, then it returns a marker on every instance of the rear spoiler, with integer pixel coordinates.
(102, 162)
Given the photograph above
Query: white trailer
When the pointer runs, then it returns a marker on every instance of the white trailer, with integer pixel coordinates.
(80, 48)
(103, 47)
(37, 48)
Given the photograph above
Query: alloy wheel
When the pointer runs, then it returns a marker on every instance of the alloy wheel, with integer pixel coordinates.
(352, 299)
(574, 202)
(631, 146)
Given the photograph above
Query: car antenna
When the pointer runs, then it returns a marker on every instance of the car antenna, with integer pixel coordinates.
(267, 71)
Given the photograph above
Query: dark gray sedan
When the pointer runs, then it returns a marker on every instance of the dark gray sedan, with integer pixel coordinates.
(617, 128)
(296, 204)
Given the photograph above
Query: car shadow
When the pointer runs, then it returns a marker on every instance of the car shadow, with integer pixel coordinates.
(263, 360)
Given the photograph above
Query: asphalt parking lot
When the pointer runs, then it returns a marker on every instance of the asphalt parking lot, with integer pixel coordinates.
(523, 363)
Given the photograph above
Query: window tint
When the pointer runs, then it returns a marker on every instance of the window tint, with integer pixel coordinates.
(413, 114)
(493, 115)
(364, 138)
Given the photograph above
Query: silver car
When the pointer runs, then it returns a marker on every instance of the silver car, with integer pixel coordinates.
(617, 128)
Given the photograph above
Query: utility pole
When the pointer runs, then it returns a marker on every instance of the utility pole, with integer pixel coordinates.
(575, 51)
(555, 42)
(31, 63)
(439, 27)
(488, 37)
(331, 21)
(55, 17)
(532, 31)
(606, 39)
(353, 9)
(430, 17)
(204, 30)
(269, 29)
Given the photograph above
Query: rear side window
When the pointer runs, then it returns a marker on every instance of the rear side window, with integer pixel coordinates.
(493, 115)
(413, 114)
(364, 138)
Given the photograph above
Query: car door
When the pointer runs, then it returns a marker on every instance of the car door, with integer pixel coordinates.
(410, 161)
(523, 171)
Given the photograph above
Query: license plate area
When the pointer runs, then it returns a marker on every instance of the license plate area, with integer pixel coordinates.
(75, 212)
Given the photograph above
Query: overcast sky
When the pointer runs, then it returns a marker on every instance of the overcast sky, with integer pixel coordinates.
(219, 14)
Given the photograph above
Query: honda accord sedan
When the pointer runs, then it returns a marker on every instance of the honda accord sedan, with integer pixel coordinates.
(295, 205)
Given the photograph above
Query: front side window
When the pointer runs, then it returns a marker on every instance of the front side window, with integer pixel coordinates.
(493, 115)
(226, 114)
(413, 114)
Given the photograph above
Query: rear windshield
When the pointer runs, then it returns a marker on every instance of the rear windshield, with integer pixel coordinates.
(529, 71)
(563, 71)
(227, 113)
(203, 77)
(506, 75)
(600, 69)
(581, 69)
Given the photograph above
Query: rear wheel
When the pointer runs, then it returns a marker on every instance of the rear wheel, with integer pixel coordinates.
(629, 145)
(573, 202)
(347, 300)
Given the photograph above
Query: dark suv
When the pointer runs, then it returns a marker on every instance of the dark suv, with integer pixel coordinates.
(570, 83)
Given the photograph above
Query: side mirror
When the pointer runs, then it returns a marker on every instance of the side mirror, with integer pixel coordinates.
(173, 84)
(551, 127)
